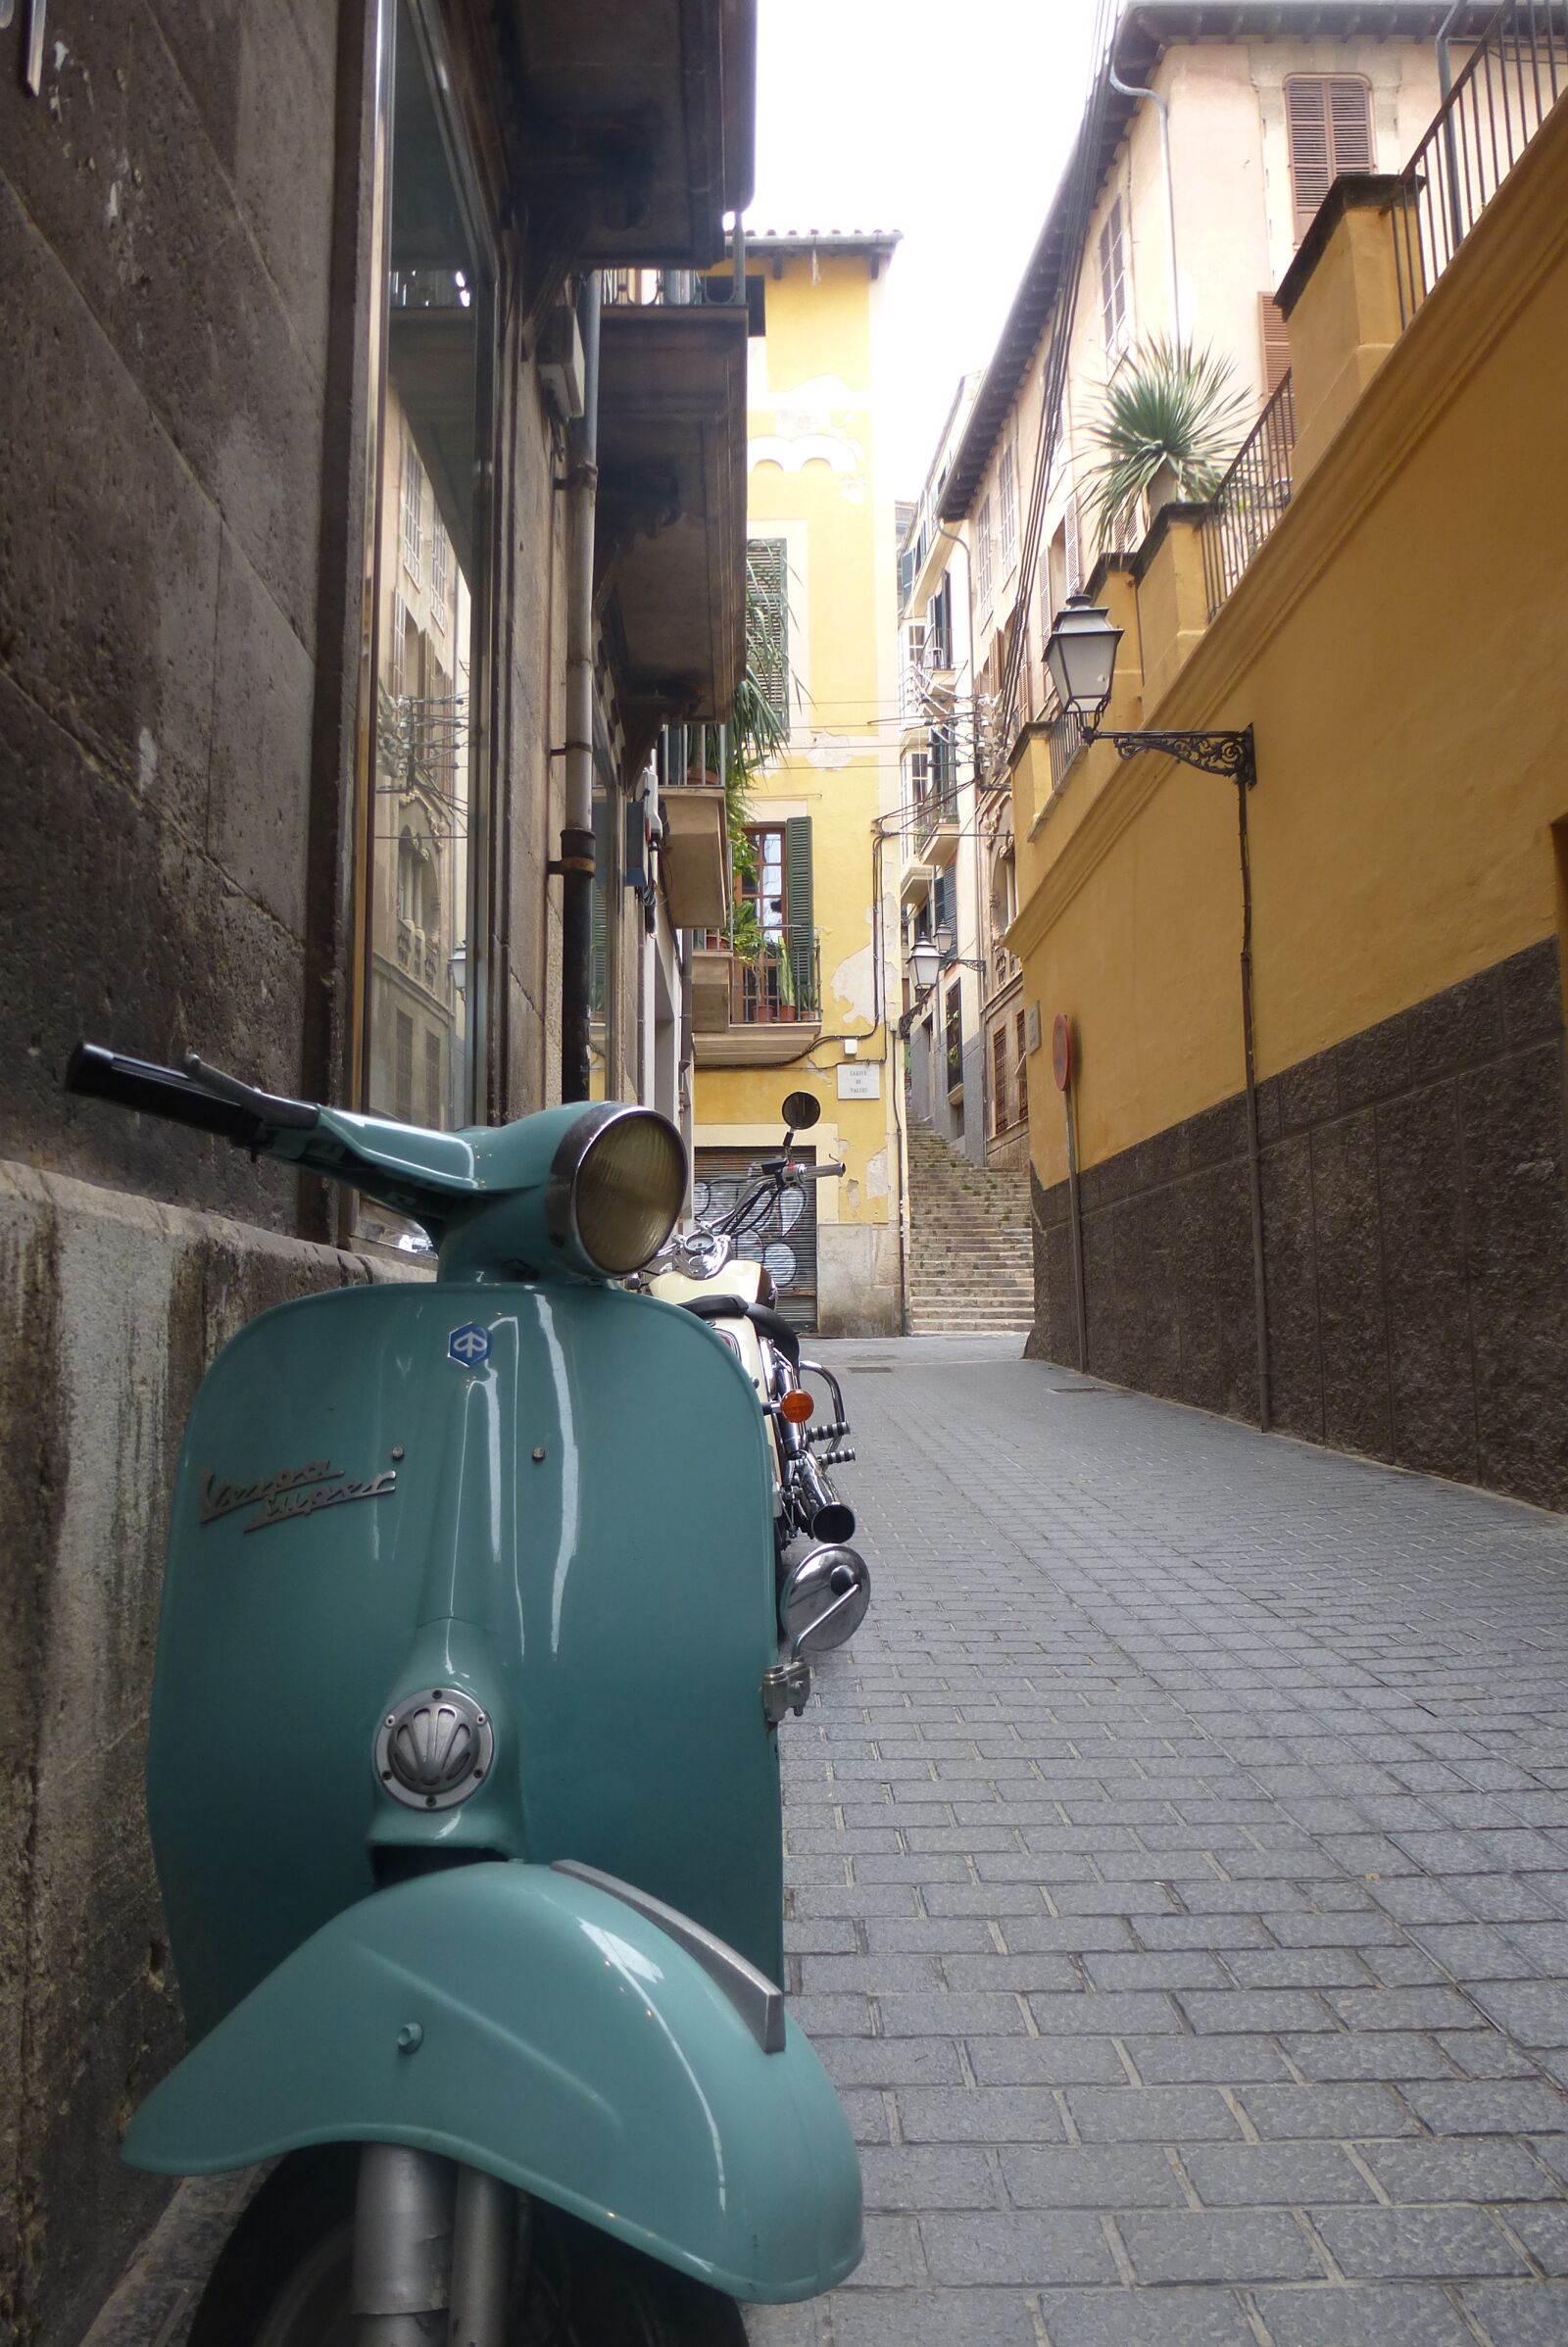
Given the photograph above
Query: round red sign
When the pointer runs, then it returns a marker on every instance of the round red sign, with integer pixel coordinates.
(1061, 1050)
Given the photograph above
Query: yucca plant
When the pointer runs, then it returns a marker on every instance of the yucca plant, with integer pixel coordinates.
(1171, 413)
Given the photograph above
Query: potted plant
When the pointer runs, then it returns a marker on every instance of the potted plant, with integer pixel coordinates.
(1170, 425)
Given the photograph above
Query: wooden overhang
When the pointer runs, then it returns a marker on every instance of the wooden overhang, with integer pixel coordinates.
(640, 122)
(1142, 39)
(670, 534)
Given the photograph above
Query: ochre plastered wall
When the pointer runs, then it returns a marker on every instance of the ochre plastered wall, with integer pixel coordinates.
(814, 481)
(1398, 646)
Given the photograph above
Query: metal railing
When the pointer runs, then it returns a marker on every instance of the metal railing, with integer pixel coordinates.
(1507, 87)
(1251, 497)
(1064, 741)
(782, 985)
(937, 810)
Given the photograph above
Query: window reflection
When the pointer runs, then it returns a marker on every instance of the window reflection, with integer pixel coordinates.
(424, 592)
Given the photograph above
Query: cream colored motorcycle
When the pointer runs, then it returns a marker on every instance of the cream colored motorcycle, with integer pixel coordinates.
(702, 1272)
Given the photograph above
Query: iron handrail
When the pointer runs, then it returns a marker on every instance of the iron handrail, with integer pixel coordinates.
(1502, 94)
(1255, 492)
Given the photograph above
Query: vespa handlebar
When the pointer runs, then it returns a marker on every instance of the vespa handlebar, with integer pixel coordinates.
(195, 1095)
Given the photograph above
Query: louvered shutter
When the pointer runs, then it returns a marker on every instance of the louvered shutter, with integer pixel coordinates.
(1351, 121)
(800, 932)
(768, 642)
(1329, 122)
(1276, 343)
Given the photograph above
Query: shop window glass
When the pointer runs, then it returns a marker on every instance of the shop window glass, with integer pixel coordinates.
(421, 715)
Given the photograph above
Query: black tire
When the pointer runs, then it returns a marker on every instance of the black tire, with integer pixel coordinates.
(282, 2280)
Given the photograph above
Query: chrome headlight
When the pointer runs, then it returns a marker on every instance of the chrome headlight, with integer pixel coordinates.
(617, 1188)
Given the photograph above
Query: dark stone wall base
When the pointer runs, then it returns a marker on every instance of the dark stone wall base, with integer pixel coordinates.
(1415, 1218)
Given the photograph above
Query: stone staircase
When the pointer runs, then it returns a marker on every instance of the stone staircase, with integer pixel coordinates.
(971, 1264)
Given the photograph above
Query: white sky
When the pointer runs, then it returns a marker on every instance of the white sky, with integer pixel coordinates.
(948, 119)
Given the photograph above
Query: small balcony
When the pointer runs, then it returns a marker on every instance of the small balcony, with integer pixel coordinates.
(936, 830)
(754, 1014)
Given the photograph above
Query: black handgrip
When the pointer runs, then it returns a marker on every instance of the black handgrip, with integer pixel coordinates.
(771, 1325)
(234, 1114)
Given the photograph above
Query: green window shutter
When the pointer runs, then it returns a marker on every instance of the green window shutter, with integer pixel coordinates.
(798, 910)
(767, 630)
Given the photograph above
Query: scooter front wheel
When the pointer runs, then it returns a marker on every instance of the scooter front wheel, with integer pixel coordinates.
(283, 2278)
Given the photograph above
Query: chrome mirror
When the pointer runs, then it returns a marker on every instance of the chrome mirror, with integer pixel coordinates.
(823, 1601)
(800, 1112)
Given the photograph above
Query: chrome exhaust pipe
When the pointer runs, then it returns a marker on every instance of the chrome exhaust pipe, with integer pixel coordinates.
(831, 1518)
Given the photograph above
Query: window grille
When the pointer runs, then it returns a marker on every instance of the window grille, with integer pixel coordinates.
(768, 636)
(412, 510)
(1114, 282)
(1008, 497)
(1327, 119)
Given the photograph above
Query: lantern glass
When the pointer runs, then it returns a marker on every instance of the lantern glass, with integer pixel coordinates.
(1081, 657)
(925, 960)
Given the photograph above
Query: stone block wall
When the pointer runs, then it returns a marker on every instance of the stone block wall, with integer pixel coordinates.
(1415, 1219)
(167, 209)
(111, 1309)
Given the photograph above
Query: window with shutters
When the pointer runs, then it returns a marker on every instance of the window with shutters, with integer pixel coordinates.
(954, 1039)
(1072, 549)
(982, 557)
(1007, 494)
(413, 509)
(1274, 342)
(769, 638)
(999, 1080)
(1113, 304)
(1327, 119)
(781, 984)
(403, 1085)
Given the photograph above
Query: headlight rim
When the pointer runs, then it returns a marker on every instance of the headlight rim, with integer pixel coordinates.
(584, 1135)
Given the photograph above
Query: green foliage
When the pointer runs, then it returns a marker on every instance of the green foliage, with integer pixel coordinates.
(758, 733)
(1171, 409)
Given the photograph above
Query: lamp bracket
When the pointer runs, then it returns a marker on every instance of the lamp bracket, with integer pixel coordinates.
(1227, 753)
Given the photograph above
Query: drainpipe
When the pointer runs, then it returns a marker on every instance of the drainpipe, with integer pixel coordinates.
(576, 864)
(1128, 91)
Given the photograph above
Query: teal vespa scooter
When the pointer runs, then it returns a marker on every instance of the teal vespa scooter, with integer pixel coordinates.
(463, 1774)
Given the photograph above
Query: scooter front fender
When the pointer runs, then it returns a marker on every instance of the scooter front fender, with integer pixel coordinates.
(530, 2024)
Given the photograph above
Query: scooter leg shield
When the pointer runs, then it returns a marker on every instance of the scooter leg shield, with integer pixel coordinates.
(525, 2021)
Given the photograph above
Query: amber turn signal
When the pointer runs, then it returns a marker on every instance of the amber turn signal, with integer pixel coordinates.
(797, 1406)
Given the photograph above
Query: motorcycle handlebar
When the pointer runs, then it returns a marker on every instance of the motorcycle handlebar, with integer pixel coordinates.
(196, 1094)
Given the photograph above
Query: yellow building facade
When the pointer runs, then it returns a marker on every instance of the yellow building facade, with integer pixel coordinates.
(814, 1012)
(1398, 643)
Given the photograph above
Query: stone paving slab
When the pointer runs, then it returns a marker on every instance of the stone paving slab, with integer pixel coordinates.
(1178, 1870)
(1178, 1885)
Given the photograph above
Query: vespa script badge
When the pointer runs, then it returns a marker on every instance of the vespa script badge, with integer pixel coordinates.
(291, 1493)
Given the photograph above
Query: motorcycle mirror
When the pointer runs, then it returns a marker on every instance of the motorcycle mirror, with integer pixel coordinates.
(825, 1599)
(800, 1112)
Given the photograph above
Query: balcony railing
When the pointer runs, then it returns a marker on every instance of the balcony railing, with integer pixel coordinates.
(1508, 85)
(781, 986)
(937, 811)
(1064, 741)
(1251, 498)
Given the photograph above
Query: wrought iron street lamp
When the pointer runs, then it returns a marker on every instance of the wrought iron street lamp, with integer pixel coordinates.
(1081, 657)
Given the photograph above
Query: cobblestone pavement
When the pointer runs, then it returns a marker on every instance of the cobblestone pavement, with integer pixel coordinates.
(1177, 1868)
(1179, 1886)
